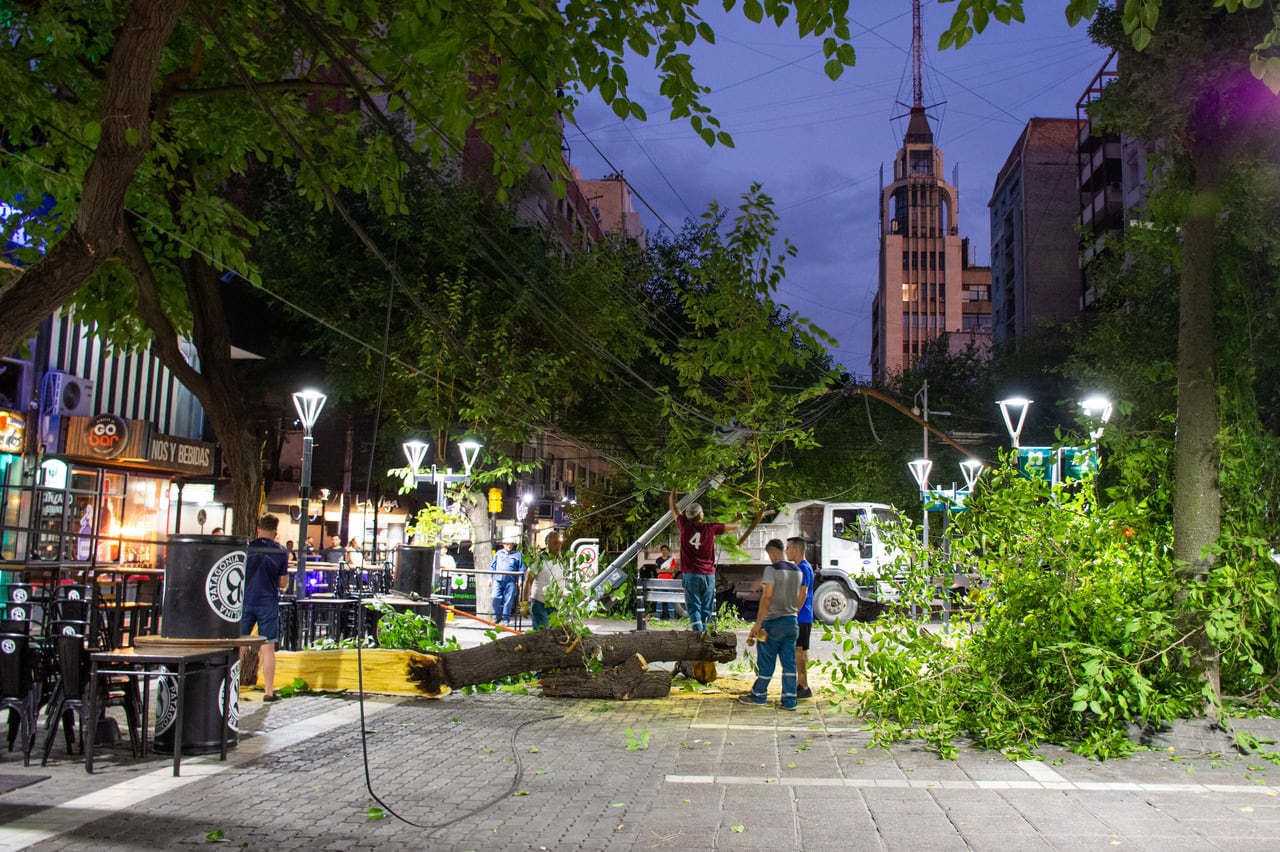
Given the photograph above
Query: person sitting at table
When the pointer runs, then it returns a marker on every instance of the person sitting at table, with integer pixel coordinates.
(266, 574)
(334, 552)
(355, 555)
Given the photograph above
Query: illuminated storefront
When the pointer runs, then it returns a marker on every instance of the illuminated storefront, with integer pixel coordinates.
(104, 499)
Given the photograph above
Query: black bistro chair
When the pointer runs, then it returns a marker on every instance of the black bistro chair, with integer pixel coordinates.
(81, 605)
(20, 690)
(69, 704)
(27, 602)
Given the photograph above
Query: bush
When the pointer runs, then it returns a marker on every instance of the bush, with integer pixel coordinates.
(1081, 626)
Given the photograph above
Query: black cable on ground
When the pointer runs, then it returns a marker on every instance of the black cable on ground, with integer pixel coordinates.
(368, 781)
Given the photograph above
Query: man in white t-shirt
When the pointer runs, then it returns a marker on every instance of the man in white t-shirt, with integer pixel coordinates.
(545, 579)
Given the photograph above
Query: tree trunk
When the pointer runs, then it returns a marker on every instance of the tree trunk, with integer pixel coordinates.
(214, 383)
(631, 679)
(98, 229)
(555, 648)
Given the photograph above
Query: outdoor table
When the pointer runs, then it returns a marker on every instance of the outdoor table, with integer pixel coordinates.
(148, 660)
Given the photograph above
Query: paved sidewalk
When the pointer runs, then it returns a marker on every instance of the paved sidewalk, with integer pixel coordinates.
(504, 771)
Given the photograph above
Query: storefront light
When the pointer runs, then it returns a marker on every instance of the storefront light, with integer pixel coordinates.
(53, 473)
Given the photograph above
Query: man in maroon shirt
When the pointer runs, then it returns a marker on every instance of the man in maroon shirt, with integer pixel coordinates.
(698, 561)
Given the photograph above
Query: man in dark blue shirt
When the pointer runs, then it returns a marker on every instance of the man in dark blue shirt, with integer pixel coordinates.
(804, 618)
(266, 573)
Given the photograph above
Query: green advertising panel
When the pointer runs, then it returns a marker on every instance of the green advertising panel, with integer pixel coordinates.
(1037, 463)
(1077, 463)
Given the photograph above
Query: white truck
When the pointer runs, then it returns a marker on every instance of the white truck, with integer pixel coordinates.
(850, 561)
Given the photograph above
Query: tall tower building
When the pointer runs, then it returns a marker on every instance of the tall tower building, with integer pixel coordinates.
(926, 280)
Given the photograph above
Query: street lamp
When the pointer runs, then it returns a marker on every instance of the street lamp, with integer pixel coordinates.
(920, 470)
(416, 451)
(971, 469)
(1011, 407)
(1098, 409)
(308, 403)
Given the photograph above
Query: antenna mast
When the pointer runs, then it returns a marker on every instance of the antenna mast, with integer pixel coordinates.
(917, 50)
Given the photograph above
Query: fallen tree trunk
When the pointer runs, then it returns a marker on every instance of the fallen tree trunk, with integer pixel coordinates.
(556, 648)
(631, 679)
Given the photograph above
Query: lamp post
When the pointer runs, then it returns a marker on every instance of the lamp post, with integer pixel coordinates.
(308, 403)
(920, 470)
(1014, 406)
(971, 469)
(1096, 409)
(416, 451)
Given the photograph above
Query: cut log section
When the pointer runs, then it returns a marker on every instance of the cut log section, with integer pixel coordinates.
(557, 649)
(631, 679)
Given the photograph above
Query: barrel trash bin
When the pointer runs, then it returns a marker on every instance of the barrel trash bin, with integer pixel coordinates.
(203, 587)
(206, 688)
(415, 570)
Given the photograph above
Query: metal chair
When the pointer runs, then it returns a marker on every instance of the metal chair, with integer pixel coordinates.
(19, 690)
(26, 602)
(68, 705)
(74, 602)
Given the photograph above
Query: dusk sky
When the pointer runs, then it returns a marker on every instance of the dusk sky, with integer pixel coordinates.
(817, 146)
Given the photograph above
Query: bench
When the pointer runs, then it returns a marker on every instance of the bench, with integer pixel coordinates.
(653, 591)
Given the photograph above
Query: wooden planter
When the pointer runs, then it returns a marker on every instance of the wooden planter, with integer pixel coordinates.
(385, 671)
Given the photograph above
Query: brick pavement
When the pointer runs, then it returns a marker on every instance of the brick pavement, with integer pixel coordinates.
(506, 771)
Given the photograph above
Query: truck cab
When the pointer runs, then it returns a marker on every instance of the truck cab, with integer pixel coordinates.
(853, 564)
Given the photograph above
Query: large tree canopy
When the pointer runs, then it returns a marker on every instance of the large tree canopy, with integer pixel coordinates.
(114, 105)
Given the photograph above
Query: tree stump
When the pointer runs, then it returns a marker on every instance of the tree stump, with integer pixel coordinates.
(249, 659)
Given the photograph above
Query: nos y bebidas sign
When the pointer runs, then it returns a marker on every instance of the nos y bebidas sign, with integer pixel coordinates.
(181, 454)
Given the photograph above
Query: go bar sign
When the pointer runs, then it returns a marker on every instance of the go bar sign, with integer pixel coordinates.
(108, 436)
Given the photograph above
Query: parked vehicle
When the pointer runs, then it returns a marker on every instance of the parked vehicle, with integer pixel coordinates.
(852, 566)
(850, 561)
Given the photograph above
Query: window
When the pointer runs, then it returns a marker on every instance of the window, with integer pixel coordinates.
(921, 162)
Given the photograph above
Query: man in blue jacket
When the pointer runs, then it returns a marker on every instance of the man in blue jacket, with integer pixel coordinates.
(506, 587)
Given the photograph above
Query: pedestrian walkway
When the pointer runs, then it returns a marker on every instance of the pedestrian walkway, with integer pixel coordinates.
(509, 771)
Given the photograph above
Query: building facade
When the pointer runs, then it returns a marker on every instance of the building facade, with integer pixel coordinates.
(922, 287)
(1035, 272)
(93, 441)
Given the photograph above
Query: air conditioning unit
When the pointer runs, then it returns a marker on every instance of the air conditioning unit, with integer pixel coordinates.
(63, 394)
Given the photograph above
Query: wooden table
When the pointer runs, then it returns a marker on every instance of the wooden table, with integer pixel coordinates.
(147, 661)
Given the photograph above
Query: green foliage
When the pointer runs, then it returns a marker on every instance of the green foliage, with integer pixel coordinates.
(744, 364)
(571, 600)
(410, 631)
(297, 687)
(637, 742)
(328, 643)
(728, 618)
(433, 524)
(1075, 633)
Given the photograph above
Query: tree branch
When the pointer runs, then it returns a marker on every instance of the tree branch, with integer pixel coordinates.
(164, 336)
(99, 228)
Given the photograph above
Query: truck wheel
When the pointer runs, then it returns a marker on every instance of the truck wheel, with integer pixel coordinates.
(833, 602)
